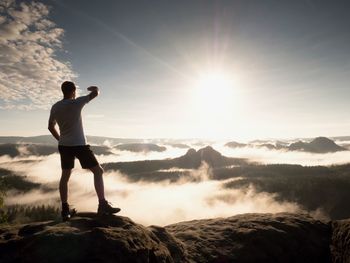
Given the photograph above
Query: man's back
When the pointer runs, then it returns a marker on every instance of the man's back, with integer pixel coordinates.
(67, 114)
(72, 144)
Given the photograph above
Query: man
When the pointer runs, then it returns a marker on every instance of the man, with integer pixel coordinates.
(72, 143)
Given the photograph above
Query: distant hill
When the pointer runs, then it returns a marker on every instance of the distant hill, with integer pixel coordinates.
(101, 140)
(257, 144)
(140, 147)
(42, 139)
(147, 170)
(341, 138)
(25, 149)
(179, 145)
(193, 158)
(14, 150)
(12, 181)
(269, 146)
(318, 145)
(48, 139)
(315, 188)
(234, 144)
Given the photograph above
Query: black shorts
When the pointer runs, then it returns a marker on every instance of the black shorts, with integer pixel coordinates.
(84, 154)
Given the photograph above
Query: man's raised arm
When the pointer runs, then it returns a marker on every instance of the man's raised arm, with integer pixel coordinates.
(93, 92)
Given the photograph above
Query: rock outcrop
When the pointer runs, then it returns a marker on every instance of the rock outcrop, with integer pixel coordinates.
(191, 160)
(89, 238)
(340, 245)
(234, 144)
(140, 147)
(255, 238)
(281, 237)
(318, 145)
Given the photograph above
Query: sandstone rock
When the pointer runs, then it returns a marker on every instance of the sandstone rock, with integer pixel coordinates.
(264, 238)
(340, 246)
(281, 237)
(87, 238)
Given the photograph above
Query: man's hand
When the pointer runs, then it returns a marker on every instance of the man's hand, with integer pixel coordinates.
(92, 88)
(94, 92)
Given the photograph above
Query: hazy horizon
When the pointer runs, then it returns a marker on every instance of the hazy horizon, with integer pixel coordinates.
(228, 139)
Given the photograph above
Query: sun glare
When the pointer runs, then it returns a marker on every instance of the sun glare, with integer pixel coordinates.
(213, 93)
(214, 103)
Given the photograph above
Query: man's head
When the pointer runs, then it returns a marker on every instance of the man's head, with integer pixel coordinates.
(68, 88)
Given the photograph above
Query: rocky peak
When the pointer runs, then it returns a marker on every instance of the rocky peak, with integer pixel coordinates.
(281, 237)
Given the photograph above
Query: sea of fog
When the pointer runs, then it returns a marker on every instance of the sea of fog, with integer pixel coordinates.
(163, 202)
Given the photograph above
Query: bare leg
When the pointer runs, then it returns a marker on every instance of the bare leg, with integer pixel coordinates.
(98, 181)
(64, 184)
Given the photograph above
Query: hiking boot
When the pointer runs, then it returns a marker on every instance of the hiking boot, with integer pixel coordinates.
(67, 213)
(106, 208)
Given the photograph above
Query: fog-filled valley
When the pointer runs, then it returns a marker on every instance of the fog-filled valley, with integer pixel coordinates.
(164, 181)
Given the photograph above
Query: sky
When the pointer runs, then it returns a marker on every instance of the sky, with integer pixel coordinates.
(179, 69)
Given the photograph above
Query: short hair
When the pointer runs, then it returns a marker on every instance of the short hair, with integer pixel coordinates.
(68, 87)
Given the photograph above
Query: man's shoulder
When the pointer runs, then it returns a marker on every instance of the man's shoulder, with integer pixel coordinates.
(77, 101)
(59, 105)
(55, 104)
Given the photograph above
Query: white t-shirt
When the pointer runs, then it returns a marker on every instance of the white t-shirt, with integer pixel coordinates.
(67, 114)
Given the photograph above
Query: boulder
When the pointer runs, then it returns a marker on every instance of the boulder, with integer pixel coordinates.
(281, 237)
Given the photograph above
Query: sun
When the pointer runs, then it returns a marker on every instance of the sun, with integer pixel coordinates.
(216, 101)
(213, 93)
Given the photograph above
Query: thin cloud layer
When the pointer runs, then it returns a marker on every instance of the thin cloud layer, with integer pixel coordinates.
(267, 156)
(148, 203)
(193, 196)
(30, 71)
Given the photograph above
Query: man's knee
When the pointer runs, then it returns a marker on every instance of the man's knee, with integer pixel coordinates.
(66, 174)
(100, 170)
(97, 170)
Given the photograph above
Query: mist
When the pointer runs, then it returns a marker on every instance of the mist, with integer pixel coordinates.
(193, 195)
(260, 155)
(254, 154)
(268, 156)
(148, 203)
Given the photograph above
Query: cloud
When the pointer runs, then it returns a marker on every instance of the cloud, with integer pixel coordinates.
(148, 203)
(266, 156)
(30, 71)
(193, 196)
